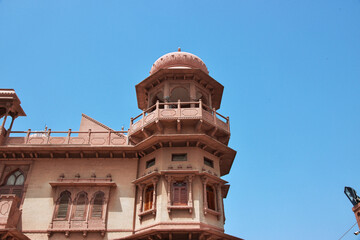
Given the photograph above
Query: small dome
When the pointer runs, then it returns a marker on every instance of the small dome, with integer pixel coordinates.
(178, 60)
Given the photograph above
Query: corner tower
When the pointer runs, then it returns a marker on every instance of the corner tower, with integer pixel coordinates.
(179, 187)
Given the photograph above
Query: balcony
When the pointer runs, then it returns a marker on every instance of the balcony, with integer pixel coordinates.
(180, 111)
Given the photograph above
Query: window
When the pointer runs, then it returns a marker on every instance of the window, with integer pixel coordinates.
(148, 203)
(147, 194)
(179, 190)
(97, 206)
(208, 162)
(180, 194)
(210, 195)
(179, 157)
(150, 163)
(80, 205)
(14, 184)
(63, 205)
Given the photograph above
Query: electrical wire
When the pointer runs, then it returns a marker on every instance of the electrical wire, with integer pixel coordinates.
(347, 231)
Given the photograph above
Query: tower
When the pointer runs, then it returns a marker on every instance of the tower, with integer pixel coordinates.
(179, 185)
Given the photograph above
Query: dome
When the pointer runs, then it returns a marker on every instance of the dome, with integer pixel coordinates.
(178, 60)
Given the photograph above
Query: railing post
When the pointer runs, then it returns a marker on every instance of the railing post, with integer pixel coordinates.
(214, 113)
(131, 123)
(200, 107)
(179, 108)
(89, 132)
(143, 119)
(228, 123)
(27, 136)
(68, 136)
(157, 109)
(48, 136)
(109, 137)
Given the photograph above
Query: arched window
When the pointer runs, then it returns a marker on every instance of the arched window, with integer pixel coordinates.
(62, 205)
(14, 184)
(159, 96)
(210, 196)
(179, 93)
(180, 195)
(97, 205)
(148, 204)
(80, 205)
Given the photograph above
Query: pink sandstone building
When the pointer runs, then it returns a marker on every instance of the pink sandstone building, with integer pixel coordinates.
(160, 180)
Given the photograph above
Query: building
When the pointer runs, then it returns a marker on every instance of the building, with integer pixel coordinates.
(161, 179)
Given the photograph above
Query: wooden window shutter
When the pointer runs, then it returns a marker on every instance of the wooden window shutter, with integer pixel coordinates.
(180, 193)
(210, 195)
(183, 196)
(176, 194)
(97, 206)
(63, 205)
(80, 207)
(149, 198)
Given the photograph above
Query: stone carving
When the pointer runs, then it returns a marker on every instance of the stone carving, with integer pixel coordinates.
(36, 140)
(118, 141)
(16, 140)
(189, 112)
(77, 140)
(168, 113)
(4, 207)
(98, 141)
(57, 140)
(149, 117)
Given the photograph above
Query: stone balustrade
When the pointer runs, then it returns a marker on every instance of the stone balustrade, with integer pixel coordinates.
(179, 110)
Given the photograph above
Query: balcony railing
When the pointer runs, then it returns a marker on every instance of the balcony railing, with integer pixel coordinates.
(179, 110)
(159, 111)
(109, 138)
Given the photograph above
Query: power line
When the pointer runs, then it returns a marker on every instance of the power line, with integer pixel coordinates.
(347, 231)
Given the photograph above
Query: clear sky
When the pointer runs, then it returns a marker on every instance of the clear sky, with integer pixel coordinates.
(291, 72)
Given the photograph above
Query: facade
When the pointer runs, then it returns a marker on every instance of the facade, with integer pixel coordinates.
(161, 179)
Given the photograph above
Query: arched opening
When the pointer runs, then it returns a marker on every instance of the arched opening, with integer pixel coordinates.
(14, 184)
(97, 205)
(80, 205)
(182, 94)
(62, 205)
(159, 96)
(204, 100)
(179, 93)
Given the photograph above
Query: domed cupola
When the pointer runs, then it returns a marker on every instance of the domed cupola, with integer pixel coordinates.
(179, 60)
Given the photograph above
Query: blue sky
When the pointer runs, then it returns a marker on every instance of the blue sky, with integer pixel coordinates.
(290, 71)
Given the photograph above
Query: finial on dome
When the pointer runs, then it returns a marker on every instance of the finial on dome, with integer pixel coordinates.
(179, 49)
